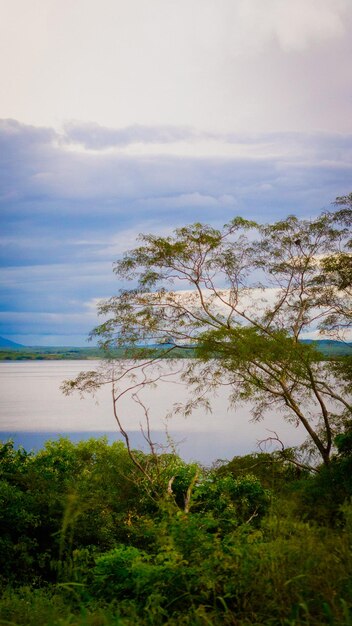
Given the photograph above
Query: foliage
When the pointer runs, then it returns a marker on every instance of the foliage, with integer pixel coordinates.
(335, 278)
(235, 501)
(46, 497)
(274, 471)
(323, 497)
(94, 549)
(240, 299)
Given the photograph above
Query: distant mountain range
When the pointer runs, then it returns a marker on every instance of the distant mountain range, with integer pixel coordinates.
(6, 343)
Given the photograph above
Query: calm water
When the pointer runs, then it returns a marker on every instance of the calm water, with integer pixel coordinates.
(33, 409)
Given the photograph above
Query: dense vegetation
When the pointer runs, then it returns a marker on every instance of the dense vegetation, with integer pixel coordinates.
(86, 539)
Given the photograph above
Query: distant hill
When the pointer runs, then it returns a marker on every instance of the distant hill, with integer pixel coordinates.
(331, 347)
(7, 343)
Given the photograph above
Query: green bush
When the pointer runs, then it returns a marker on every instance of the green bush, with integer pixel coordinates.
(321, 496)
(274, 471)
(80, 526)
(233, 501)
(66, 497)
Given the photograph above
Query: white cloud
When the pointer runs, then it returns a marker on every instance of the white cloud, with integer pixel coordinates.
(294, 26)
(218, 64)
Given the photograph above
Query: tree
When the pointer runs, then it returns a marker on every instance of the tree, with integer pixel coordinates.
(241, 300)
(336, 275)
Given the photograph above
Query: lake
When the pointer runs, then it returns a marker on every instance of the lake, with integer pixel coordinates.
(33, 409)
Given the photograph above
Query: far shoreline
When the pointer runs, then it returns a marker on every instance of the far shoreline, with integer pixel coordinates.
(329, 348)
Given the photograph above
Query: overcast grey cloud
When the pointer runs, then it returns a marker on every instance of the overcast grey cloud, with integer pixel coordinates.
(68, 213)
(96, 137)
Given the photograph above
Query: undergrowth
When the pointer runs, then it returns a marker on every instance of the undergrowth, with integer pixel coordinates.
(84, 542)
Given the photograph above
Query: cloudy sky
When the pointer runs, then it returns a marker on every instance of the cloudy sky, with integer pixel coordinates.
(125, 117)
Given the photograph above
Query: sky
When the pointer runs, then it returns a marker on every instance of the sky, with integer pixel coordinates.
(119, 117)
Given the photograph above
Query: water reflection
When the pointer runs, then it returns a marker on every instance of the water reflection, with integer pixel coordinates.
(33, 409)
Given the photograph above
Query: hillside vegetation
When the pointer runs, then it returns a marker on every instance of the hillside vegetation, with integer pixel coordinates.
(87, 540)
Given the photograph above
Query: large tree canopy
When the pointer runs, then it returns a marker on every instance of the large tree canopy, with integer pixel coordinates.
(241, 299)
